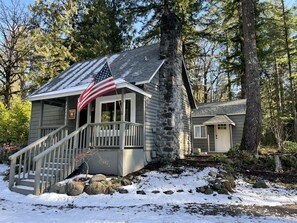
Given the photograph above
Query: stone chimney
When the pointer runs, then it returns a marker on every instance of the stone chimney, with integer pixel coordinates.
(170, 118)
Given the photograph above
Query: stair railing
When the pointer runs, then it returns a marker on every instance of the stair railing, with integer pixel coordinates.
(60, 160)
(21, 161)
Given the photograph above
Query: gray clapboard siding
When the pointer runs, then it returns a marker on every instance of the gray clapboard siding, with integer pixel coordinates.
(237, 130)
(53, 115)
(203, 143)
(151, 107)
(34, 122)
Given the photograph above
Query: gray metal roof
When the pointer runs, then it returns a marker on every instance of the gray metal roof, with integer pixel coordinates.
(135, 66)
(219, 119)
(220, 108)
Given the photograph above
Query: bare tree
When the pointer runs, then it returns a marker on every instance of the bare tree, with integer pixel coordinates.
(13, 48)
(252, 125)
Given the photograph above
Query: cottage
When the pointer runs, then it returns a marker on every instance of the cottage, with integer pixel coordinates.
(147, 117)
(218, 126)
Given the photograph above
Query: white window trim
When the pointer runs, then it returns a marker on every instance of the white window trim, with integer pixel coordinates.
(113, 98)
(200, 137)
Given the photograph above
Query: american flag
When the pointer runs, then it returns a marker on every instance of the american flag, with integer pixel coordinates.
(102, 83)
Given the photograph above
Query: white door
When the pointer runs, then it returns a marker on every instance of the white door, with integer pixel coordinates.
(222, 137)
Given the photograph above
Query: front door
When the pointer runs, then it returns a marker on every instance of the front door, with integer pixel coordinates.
(222, 138)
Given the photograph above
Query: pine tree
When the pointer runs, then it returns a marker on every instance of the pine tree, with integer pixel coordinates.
(252, 125)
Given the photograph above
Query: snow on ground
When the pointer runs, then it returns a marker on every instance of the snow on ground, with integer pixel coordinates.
(132, 207)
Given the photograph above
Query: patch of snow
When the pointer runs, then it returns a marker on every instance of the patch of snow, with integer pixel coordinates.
(112, 58)
(134, 207)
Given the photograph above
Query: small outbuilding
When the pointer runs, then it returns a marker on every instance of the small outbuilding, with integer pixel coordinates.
(217, 126)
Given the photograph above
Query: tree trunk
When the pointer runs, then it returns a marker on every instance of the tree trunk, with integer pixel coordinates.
(292, 90)
(252, 125)
(241, 72)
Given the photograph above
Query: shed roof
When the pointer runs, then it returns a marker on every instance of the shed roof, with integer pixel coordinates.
(220, 108)
(137, 66)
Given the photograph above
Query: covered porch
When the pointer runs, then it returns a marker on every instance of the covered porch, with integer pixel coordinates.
(114, 127)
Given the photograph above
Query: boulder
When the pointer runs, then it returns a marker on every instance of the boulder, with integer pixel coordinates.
(125, 182)
(168, 192)
(58, 188)
(155, 191)
(123, 191)
(74, 188)
(99, 187)
(223, 191)
(260, 184)
(212, 174)
(140, 192)
(98, 178)
(208, 191)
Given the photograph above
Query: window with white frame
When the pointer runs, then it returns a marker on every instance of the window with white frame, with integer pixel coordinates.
(200, 131)
(108, 108)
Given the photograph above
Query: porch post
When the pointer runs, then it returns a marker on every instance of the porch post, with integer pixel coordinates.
(41, 118)
(122, 125)
(122, 137)
(89, 130)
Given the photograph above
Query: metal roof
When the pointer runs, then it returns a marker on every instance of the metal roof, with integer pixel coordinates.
(219, 119)
(137, 66)
(220, 108)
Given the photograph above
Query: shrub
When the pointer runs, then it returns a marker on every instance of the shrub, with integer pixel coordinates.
(14, 125)
(290, 147)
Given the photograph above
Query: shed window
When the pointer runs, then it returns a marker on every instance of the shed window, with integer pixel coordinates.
(222, 126)
(199, 131)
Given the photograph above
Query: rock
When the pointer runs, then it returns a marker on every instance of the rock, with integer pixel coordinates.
(190, 191)
(260, 184)
(155, 191)
(208, 191)
(168, 192)
(200, 189)
(97, 187)
(125, 182)
(58, 188)
(217, 185)
(98, 178)
(74, 188)
(212, 174)
(228, 186)
(140, 192)
(230, 197)
(123, 191)
(180, 191)
(223, 191)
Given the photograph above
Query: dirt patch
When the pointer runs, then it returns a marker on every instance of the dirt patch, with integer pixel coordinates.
(239, 210)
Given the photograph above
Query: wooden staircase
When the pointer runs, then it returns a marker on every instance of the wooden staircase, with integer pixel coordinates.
(47, 161)
(55, 156)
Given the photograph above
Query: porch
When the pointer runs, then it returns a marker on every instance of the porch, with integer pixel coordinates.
(111, 148)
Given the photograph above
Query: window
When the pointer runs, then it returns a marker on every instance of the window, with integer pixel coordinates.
(199, 131)
(108, 108)
(222, 126)
(111, 111)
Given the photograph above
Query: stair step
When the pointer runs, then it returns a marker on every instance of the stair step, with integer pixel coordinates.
(26, 182)
(23, 189)
(32, 176)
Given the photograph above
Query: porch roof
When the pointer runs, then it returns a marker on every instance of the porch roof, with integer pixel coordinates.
(120, 83)
(137, 66)
(219, 119)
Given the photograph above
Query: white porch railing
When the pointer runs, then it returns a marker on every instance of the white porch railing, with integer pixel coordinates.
(108, 135)
(55, 156)
(21, 161)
